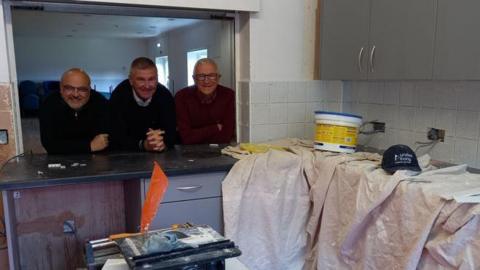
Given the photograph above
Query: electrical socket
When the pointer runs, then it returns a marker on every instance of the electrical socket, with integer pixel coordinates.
(69, 226)
(3, 136)
(378, 126)
(435, 134)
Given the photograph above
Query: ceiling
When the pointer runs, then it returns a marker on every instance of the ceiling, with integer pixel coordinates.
(56, 24)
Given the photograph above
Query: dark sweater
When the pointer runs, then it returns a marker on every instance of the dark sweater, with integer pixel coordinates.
(65, 131)
(130, 122)
(197, 121)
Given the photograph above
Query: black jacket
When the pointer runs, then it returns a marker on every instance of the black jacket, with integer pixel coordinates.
(130, 122)
(65, 131)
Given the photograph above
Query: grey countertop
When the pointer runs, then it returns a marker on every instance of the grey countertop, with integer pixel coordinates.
(33, 171)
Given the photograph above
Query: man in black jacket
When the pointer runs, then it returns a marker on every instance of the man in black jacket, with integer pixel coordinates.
(75, 119)
(142, 111)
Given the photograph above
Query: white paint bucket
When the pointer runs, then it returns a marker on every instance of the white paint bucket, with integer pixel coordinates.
(336, 132)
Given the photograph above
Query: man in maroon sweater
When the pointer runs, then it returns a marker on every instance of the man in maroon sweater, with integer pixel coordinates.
(206, 110)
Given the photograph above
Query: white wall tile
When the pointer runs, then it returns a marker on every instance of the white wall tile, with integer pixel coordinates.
(408, 95)
(465, 151)
(244, 134)
(259, 114)
(296, 130)
(347, 94)
(243, 93)
(277, 131)
(406, 137)
(446, 95)
(333, 106)
(426, 94)
(363, 92)
(391, 93)
(405, 118)
(297, 91)
(375, 140)
(244, 116)
(309, 131)
(389, 115)
(259, 133)
(279, 92)
(446, 119)
(421, 149)
(347, 107)
(278, 113)
(444, 150)
(333, 91)
(356, 88)
(314, 92)
(333, 84)
(375, 92)
(468, 96)
(424, 119)
(361, 110)
(375, 112)
(310, 108)
(389, 139)
(467, 125)
(259, 92)
(450, 105)
(296, 112)
(477, 165)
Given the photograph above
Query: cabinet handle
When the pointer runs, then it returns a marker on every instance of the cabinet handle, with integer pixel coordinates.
(360, 56)
(190, 188)
(372, 54)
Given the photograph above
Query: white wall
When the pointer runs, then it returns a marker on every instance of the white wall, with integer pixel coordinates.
(106, 60)
(216, 36)
(4, 73)
(277, 39)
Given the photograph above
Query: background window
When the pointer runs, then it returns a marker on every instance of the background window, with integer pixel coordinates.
(192, 57)
(162, 67)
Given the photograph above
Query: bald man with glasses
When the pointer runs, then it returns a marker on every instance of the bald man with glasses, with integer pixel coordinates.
(206, 110)
(74, 120)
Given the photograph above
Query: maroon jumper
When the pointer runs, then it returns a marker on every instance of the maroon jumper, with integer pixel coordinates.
(198, 115)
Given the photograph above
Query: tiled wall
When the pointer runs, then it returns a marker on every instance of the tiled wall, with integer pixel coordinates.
(6, 122)
(409, 108)
(6, 151)
(274, 110)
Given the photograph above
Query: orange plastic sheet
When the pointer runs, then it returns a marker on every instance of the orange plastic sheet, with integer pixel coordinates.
(156, 190)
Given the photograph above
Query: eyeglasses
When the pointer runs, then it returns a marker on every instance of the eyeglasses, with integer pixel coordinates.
(203, 77)
(69, 89)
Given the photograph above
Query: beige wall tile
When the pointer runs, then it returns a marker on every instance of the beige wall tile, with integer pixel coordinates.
(5, 102)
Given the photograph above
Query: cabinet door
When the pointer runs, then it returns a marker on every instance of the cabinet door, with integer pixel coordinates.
(203, 211)
(343, 34)
(402, 35)
(457, 53)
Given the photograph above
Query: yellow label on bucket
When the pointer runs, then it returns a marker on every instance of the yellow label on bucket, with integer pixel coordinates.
(336, 134)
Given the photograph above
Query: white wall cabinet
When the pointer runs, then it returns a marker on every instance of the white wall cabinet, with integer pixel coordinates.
(457, 50)
(377, 39)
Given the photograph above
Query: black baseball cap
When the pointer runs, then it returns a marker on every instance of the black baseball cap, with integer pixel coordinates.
(400, 157)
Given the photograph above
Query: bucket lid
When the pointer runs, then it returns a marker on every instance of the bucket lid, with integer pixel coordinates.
(337, 113)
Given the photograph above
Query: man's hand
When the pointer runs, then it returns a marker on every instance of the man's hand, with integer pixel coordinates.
(154, 141)
(99, 143)
(219, 126)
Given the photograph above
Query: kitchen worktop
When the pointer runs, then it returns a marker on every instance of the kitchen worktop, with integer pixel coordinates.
(33, 170)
